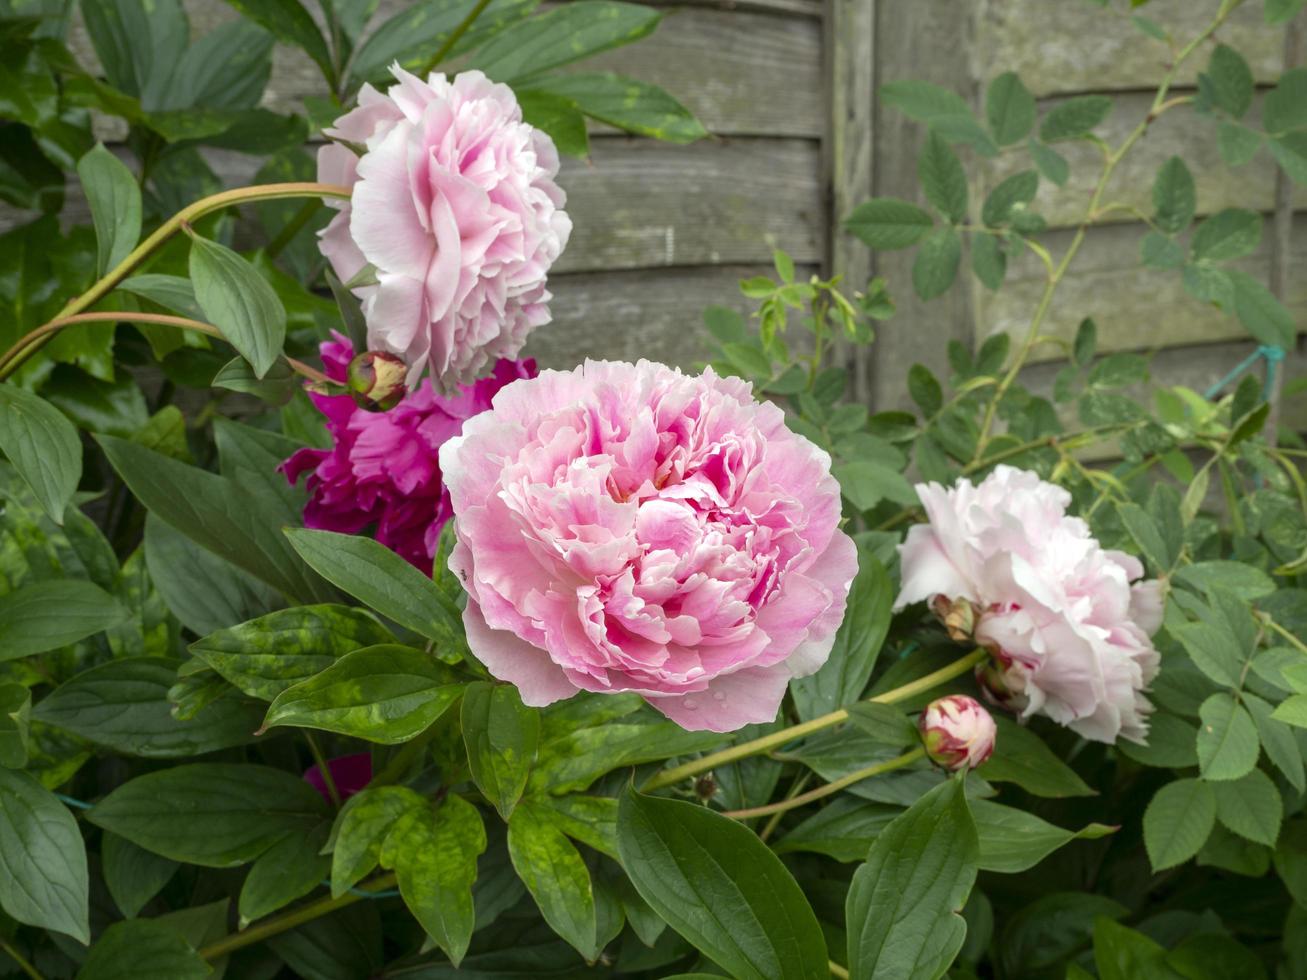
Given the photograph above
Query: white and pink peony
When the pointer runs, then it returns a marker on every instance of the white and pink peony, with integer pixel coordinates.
(627, 527)
(455, 206)
(1068, 623)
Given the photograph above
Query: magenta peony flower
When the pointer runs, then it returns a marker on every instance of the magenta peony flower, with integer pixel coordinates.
(1068, 630)
(350, 773)
(957, 732)
(631, 528)
(383, 468)
(456, 207)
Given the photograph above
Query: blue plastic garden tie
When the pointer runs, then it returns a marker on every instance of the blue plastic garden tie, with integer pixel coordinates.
(80, 805)
(1273, 356)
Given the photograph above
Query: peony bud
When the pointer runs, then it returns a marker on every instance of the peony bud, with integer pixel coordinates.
(957, 615)
(376, 379)
(996, 681)
(957, 731)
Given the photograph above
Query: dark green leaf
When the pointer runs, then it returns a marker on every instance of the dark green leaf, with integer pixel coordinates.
(1074, 118)
(1290, 152)
(626, 103)
(43, 860)
(903, 904)
(1178, 822)
(888, 223)
(1051, 164)
(1285, 106)
(1237, 143)
(721, 888)
(866, 484)
(936, 265)
(1261, 314)
(1251, 807)
(1012, 840)
(559, 117)
(291, 24)
(15, 725)
(942, 178)
(133, 874)
(1227, 739)
(1123, 954)
(988, 260)
(47, 615)
(42, 445)
(501, 735)
(1228, 234)
(239, 302)
(1012, 194)
(1231, 80)
(563, 35)
(115, 201)
(1009, 108)
(1175, 198)
(142, 949)
(219, 815)
(1021, 757)
(289, 869)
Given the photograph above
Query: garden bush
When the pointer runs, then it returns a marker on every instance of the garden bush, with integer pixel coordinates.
(338, 640)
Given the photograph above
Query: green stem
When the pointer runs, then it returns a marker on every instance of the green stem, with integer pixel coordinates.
(838, 971)
(272, 927)
(410, 750)
(674, 775)
(22, 962)
(457, 35)
(905, 759)
(795, 789)
(1092, 213)
(324, 770)
(187, 215)
(1284, 633)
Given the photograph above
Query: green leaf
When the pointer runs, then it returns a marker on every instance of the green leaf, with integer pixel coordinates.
(573, 759)
(1146, 534)
(936, 265)
(942, 178)
(115, 201)
(380, 579)
(923, 101)
(1172, 743)
(888, 223)
(1160, 251)
(1231, 81)
(1291, 860)
(1261, 314)
(1051, 164)
(1009, 109)
(858, 642)
(276, 387)
(902, 907)
(1279, 11)
(15, 725)
(1085, 343)
(634, 106)
(1227, 739)
(1013, 193)
(42, 445)
(1292, 711)
(142, 949)
(386, 693)
(133, 874)
(138, 45)
(1012, 840)
(123, 705)
(1175, 199)
(215, 814)
(44, 881)
(1237, 578)
(1228, 234)
(557, 878)
(47, 615)
(364, 822)
(1237, 143)
(721, 888)
(1250, 806)
(433, 853)
(1123, 954)
(592, 820)
(239, 302)
(866, 484)
(1285, 106)
(1021, 757)
(1074, 118)
(265, 656)
(290, 23)
(501, 735)
(1278, 741)
(559, 117)
(1290, 152)
(1178, 821)
(289, 869)
(1212, 956)
(217, 514)
(988, 260)
(563, 35)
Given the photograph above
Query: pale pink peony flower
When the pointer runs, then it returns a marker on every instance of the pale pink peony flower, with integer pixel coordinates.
(382, 469)
(631, 528)
(1069, 632)
(456, 206)
(957, 732)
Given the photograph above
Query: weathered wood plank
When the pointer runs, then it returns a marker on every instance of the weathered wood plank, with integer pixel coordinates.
(640, 204)
(656, 314)
(1179, 131)
(1073, 46)
(1135, 308)
(924, 39)
(741, 73)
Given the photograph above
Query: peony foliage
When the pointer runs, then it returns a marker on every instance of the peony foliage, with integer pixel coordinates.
(338, 641)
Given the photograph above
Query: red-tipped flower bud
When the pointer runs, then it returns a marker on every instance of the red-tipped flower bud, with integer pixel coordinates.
(957, 731)
(376, 380)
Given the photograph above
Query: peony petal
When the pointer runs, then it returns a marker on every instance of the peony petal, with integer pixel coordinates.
(749, 697)
(538, 679)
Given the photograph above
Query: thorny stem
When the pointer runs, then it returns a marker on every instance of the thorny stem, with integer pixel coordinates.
(703, 764)
(816, 794)
(1160, 105)
(187, 215)
(272, 927)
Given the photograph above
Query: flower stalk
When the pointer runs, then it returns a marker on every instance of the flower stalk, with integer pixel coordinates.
(803, 799)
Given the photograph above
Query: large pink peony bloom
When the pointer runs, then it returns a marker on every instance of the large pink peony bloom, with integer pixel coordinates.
(456, 206)
(1069, 631)
(382, 468)
(631, 528)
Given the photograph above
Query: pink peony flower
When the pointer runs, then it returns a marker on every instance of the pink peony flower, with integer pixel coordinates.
(350, 773)
(1069, 632)
(383, 468)
(957, 732)
(456, 207)
(631, 528)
